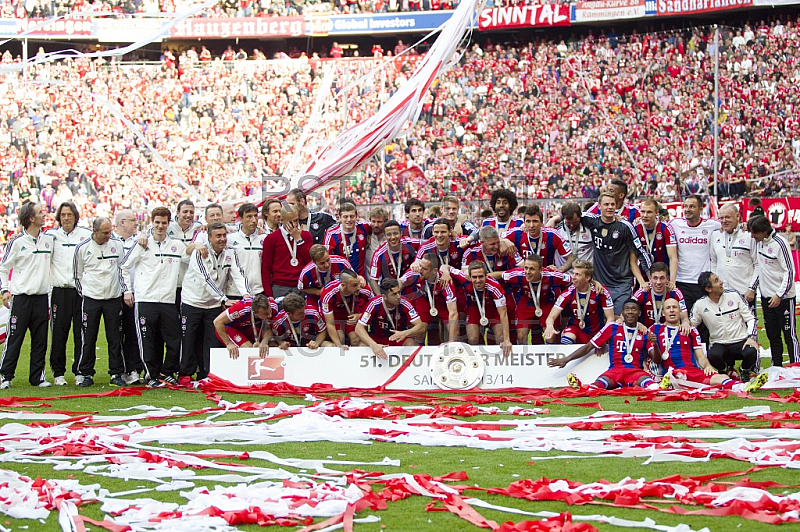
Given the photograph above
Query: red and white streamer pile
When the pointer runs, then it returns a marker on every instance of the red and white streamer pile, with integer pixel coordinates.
(218, 490)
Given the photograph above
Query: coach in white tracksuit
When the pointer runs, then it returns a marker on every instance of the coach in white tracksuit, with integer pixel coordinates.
(99, 282)
(776, 282)
(29, 255)
(202, 298)
(65, 303)
(249, 246)
(151, 292)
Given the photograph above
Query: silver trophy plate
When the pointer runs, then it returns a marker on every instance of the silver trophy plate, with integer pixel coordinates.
(454, 366)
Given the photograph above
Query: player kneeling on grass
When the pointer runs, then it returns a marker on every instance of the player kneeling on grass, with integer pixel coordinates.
(628, 348)
(389, 320)
(299, 325)
(683, 356)
(246, 324)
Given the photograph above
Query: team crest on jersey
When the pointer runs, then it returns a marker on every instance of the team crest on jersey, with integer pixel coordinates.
(227, 259)
(237, 338)
(142, 321)
(361, 237)
(315, 226)
(705, 232)
(615, 234)
(730, 303)
(174, 248)
(85, 317)
(183, 320)
(659, 236)
(769, 250)
(46, 245)
(741, 240)
(13, 319)
(113, 250)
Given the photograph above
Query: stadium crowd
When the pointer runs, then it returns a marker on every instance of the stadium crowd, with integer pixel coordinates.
(655, 291)
(548, 119)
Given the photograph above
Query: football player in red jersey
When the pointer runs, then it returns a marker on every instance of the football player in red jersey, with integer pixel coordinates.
(628, 347)
(237, 326)
(589, 303)
(342, 303)
(389, 320)
(299, 325)
(683, 356)
(486, 307)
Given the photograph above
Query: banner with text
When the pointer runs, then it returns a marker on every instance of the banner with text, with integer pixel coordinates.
(358, 367)
(688, 7)
(376, 23)
(608, 10)
(537, 15)
(41, 27)
(245, 27)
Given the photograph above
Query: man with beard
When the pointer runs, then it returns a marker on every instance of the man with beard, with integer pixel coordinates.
(503, 203)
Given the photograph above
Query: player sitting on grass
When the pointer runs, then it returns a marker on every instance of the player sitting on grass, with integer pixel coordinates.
(628, 348)
(683, 356)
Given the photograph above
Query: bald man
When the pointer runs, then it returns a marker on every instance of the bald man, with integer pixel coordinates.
(286, 252)
(126, 225)
(733, 255)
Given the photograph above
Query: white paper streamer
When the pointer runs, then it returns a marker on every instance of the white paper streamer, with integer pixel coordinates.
(616, 521)
(358, 143)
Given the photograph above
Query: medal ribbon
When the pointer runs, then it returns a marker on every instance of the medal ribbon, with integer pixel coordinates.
(629, 342)
(729, 240)
(292, 247)
(428, 291)
(535, 294)
(669, 339)
(395, 266)
(656, 309)
(389, 314)
(480, 302)
(582, 308)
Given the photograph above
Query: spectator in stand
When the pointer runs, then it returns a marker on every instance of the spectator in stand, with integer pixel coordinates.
(661, 92)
